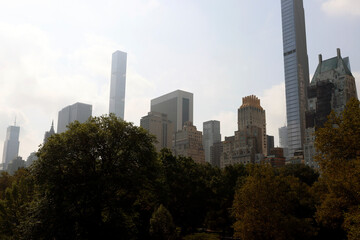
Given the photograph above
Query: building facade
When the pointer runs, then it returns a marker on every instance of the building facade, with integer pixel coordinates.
(76, 112)
(188, 143)
(332, 86)
(11, 145)
(177, 105)
(248, 145)
(49, 133)
(118, 84)
(211, 135)
(270, 143)
(158, 125)
(296, 71)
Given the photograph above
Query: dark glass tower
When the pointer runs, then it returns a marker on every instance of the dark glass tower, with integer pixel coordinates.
(296, 71)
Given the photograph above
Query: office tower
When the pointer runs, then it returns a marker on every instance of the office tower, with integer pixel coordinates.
(215, 153)
(270, 143)
(11, 145)
(49, 133)
(249, 143)
(76, 112)
(330, 89)
(296, 71)
(118, 83)
(177, 105)
(211, 135)
(251, 114)
(188, 143)
(31, 158)
(283, 142)
(158, 124)
(15, 164)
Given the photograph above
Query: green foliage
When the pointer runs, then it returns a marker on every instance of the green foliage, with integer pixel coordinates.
(202, 236)
(97, 180)
(338, 190)
(303, 172)
(15, 204)
(161, 225)
(270, 206)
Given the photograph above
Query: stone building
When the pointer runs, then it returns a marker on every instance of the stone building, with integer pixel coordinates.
(249, 142)
(158, 125)
(332, 86)
(188, 143)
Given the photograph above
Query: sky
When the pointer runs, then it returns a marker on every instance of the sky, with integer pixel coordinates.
(56, 53)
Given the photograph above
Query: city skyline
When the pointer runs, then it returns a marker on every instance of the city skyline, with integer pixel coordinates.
(221, 52)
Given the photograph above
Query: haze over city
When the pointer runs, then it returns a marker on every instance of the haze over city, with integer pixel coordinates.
(56, 54)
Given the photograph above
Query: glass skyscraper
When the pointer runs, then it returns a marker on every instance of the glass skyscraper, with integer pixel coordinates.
(296, 71)
(117, 85)
(11, 145)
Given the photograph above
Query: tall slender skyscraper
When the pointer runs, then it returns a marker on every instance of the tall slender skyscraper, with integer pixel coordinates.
(117, 85)
(296, 71)
(11, 145)
(211, 135)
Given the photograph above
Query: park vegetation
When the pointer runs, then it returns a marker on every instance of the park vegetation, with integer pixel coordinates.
(104, 180)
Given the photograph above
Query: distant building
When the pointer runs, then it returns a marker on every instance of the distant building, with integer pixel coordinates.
(296, 68)
(11, 145)
(31, 158)
(283, 140)
(211, 135)
(275, 158)
(158, 125)
(118, 83)
(49, 133)
(188, 143)
(332, 86)
(215, 153)
(15, 164)
(177, 105)
(76, 112)
(249, 143)
(270, 143)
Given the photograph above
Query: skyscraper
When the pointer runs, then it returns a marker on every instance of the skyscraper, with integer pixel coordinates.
(249, 143)
(211, 135)
(296, 71)
(158, 125)
(188, 143)
(332, 86)
(76, 112)
(117, 85)
(49, 133)
(177, 105)
(11, 145)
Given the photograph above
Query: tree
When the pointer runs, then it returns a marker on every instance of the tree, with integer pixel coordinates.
(96, 180)
(161, 225)
(15, 204)
(268, 206)
(338, 151)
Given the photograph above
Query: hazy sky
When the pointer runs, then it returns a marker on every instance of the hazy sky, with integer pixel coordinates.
(56, 53)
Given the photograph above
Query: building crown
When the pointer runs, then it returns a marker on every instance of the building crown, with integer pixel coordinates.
(251, 101)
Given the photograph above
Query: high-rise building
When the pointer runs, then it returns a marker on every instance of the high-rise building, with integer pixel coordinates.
(215, 153)
(158, 125)
(118, 83)
(188, 143)
(11, 145)
(270, 143)
(296, 71)
(49, 133)
(177, 105)
(283, 142)
(211, 135)
(77, 112)
(331, 87)
(249, 143)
